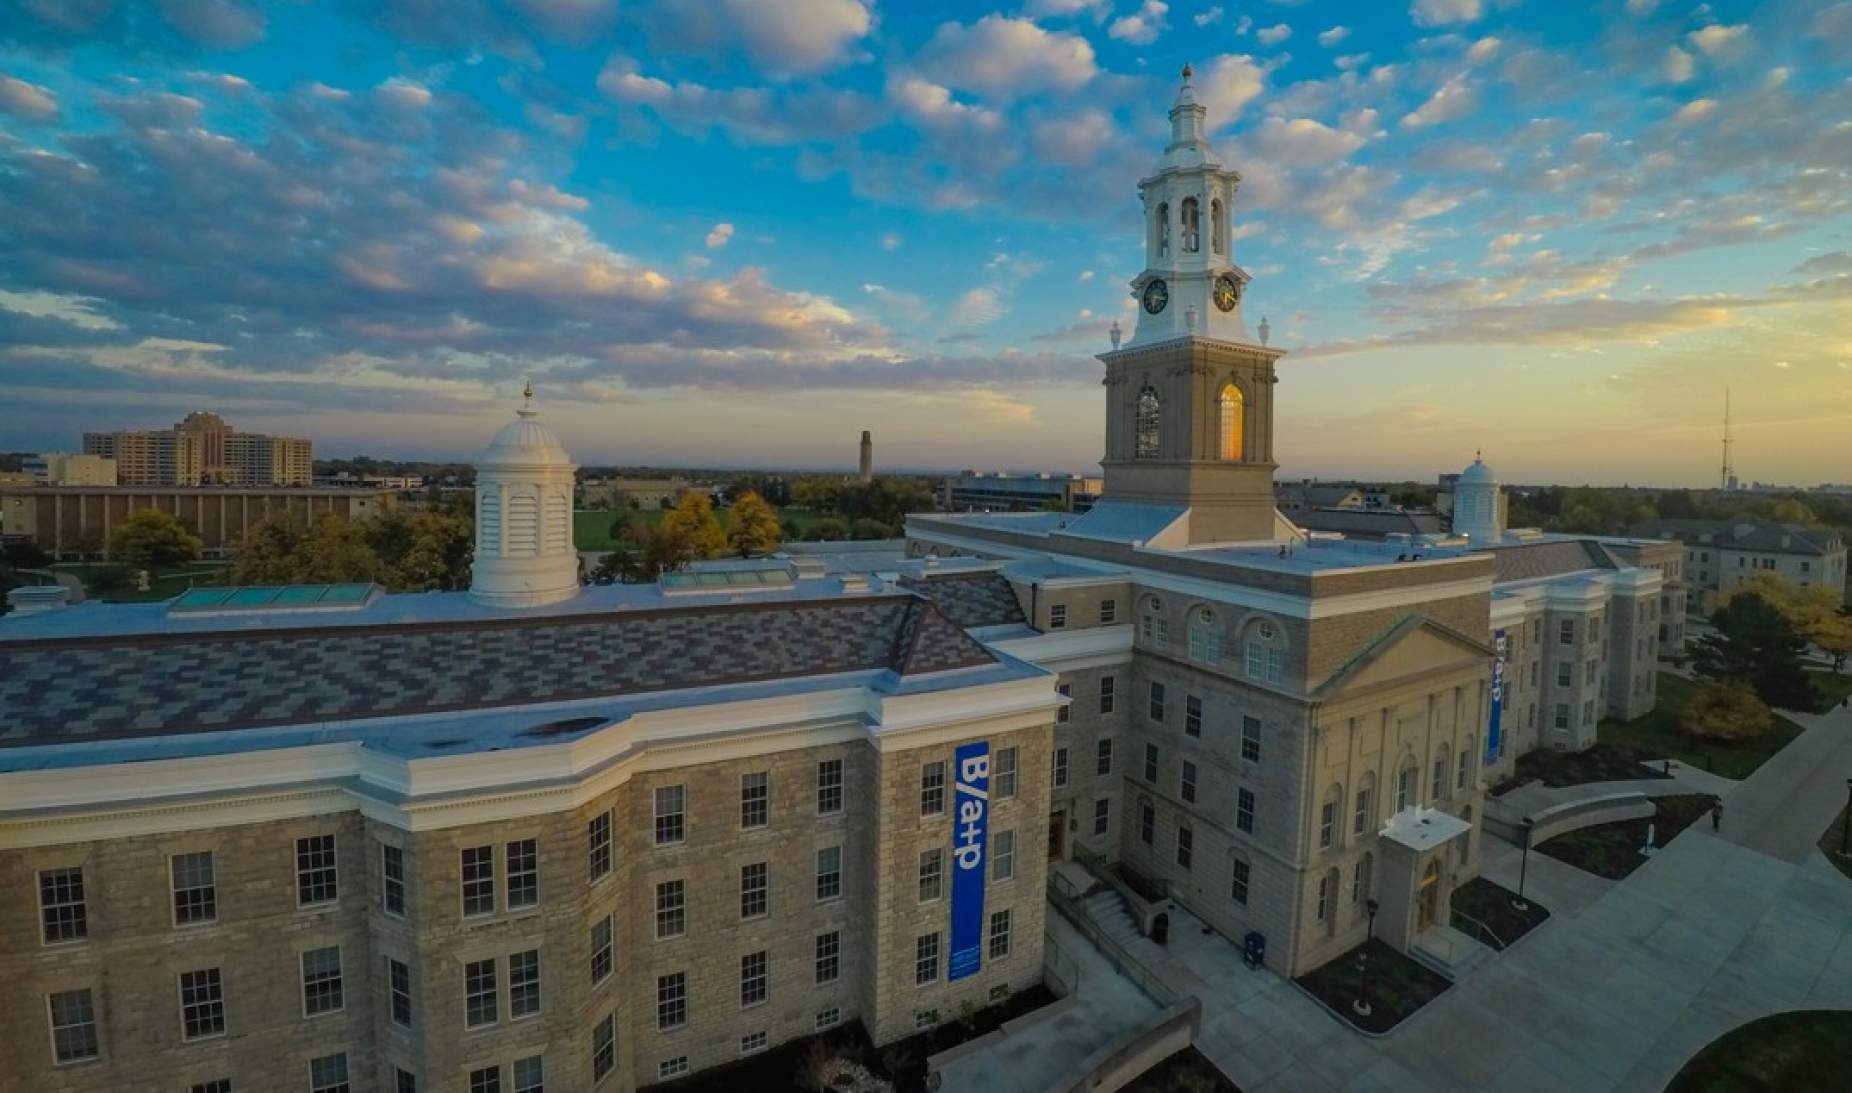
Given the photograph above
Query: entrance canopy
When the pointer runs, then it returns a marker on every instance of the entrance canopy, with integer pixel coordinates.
(1421, 829)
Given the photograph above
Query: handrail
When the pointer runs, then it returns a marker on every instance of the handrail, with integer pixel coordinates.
(1491, 937)
(1115, 954)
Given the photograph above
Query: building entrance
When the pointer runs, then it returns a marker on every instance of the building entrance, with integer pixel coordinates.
(1427, 903)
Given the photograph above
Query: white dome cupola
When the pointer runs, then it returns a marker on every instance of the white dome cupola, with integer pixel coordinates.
(1478, 508)
(524, 552)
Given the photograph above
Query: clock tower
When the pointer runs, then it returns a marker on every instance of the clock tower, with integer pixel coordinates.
(1189, 399)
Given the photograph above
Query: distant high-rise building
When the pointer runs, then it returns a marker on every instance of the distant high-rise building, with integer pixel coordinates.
(868, 456)
(201, 449)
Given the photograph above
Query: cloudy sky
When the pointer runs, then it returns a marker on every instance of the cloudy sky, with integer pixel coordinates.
(738, 232)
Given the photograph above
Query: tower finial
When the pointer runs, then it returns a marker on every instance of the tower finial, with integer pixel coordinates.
(1478, 455)
(1186, 72)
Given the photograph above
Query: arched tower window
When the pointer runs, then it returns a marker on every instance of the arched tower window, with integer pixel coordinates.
(1205, 638)
(1231, 409)
(1192, 225)
(1145, 433)
(1217, 232)
(1265, 653)
(1163, 229)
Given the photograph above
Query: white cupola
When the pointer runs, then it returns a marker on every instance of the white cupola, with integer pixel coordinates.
(1191, 284)
(1478, 505)
(524, 552)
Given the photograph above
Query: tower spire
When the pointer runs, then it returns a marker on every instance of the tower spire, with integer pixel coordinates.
(1728, 479)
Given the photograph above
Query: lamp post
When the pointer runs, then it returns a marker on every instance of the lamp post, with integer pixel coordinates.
(1523, 867)
(1372, 906)
(1361, 1007)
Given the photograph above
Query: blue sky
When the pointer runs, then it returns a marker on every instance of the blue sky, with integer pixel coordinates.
(730, 232)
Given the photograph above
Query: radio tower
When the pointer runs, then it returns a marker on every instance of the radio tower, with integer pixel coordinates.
(1729, 474)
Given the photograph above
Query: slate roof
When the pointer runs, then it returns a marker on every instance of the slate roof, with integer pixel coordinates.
(58, 690)
(970, 599)
(1550, 558)
(1801, 538)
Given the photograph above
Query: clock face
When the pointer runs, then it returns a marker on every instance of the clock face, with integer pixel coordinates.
(1227, 292)
(1157, 294)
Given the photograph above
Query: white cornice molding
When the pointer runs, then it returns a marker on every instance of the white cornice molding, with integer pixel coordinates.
(1072, 650)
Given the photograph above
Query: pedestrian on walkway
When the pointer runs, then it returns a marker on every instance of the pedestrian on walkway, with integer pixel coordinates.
(1717, 814)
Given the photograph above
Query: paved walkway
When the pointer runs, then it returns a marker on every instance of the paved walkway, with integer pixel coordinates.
(1534, 798)
(1783, 807)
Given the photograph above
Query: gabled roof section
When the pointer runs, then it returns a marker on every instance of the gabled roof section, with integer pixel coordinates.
(1415, 644)
(1550, 558)
(930, 642)
(970, 599)
(1768, 538)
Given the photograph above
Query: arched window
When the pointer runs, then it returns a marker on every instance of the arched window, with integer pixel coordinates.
(1152, 623)
(1438, 788)
(1265, 653)
(1330, 816)
(1406, 792)
(1205, 639)
(1145, 429)
(1163, 229)
(1361, 806)
(1192, 225)
(1216, 233)
(1231, 408)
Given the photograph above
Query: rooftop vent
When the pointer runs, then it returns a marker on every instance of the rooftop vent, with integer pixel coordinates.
(856, 582)
(34, 599)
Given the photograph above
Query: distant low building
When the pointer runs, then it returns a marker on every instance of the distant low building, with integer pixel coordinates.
(978, 491)
(349, 480)
(75, 521)
(65, 469)
(623, 493)
(1722, 554)
(1301, 496)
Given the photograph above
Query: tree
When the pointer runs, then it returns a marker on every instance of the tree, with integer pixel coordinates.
(1833, 634)
(1755, 644)
(866, 528)
(1811, 609)
(1790, 511)
(23, 554)
(691, 529)
(752, 526)
(152, 539)
(1725, 712)
(428, 550)
(828, 529)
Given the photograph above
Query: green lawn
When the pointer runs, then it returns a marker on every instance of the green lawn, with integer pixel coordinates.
(1832, 687)
(1656, 735)
(1782, 1053)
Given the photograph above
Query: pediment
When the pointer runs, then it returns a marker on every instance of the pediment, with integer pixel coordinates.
(1413, 647)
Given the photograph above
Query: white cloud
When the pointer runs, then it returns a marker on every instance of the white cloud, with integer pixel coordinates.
(890, 241)
(1440, 13)
(717, 237)
(1718, 38)
(1677, 66)
(1453, 100)
(1208, 17)
(976, 307)
(1085, 275)
(1244, 24)
(1303, 142)
(1694, 111)
(1143, 26)
(404, 93)
(27, 100)
(1483, 49)
(796, 35)
(933, 106)
(1002, 57)
(1076, 140)
(1273, 35)
(905, 305)
(1228, 83)
(1640, 9)
(1333, 36)
(79, 311)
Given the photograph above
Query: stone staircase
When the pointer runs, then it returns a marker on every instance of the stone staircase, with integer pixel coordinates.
(1108, 911)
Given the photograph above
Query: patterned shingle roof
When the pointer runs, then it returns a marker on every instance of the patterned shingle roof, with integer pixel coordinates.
(56, 690)
(970, 599)
(1768, 538)
(1551, 558)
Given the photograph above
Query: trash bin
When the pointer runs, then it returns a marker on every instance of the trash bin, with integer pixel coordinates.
(1254, 949)
(1160, 929)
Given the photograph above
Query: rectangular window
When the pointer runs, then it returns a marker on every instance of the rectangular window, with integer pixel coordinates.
(1564, 673)
(1057, 616)
(392, 880)
(1244, 810)
(932, 789)
(829, 872)
(672, 1068)
(1186, 846)
(1566, 633)
(1592, 667)
(523, 873)
(755, 799)
(1102, 757)
(1109, 612)
(529, 1075)
(1063, 712)
(671, 909)
(1003, 774)
(1438, 784)
(829, 956)
(1060, 768)
(1147, 823)
(479, 1002)
(328, 1074)
(1588, 712)
(829, 787)
(1464, 766)
(399, 991)
(1151, 763)
(932, 874)
(1238, 882)
(671, 824)
(315, 871)
(202, 1004)
(217, 1085)
(1106, 694)
(486, 1080)
(753, 1041)
(62, 911)
(321, 981)
(1002, 854)
(604, 1046)
(999, 934)
(601, 949)
(195, 895)
(524, 984)
(598, 834)
(1192, 716)
(1324, 898)
(73, 1026)
(1156, 710)
(752, 978)
(1562, 715)
(1102, 815)
(1405, 788)
(672, 1000)
(1186, 781)
(405, 1080)
(828, 1018)
(926, 958)
(1250, 738)
(1327, 824)
(478, 880)
(755, 886)
(925, 1019)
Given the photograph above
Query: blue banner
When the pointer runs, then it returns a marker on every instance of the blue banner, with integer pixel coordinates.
(1492, 740)
(970, 846)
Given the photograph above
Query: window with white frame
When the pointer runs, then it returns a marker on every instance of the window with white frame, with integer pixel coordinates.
(1102, 815)
(1250, 738)
(602, 959)
(672, 1068)
(1147, 823)
(932, 789)
(755, 799)
(1323, 907)
(1003, 774)
(671, 814)
(404, 1079)
(671, 1000)
(1057, 616)
(1562, 715)
(829, 787)
(1186, 846)
(753, 978)
(604, 1046)
(753, 1042)
(1361, 809)
(399, 992)
(328, 1074)
(1244, 810)
(316, 882)
(828, 1018)
(1565, 673)
(1192, 716)
(1566, 632)
(73, 1026)
(1465, 765)
(63, 914)
(829, 957)
(598, 836)
(1239, 872)
(1003, 854)
(1327, 823)
(216, 1085)
(671, 909)
(926, 958)
(925, 1019)
(1156, 709)
(1360, 880)
(829, 872)
(1109, 612)
(524, 984)
(202, 1004)
(321, 981)
(1186, 781)
(1439, 781)
(1064, 712)
(1205, 639)
(1405, 787)
(478, 880)
(1059, 770)
(1102, 757)
(1151, 763)
(523, 873)
(195, 894)
(487, 1079)
(479, 994)
(999, 934)
(932, 874)
(1107, 695)
(530, 1075)
(392, 880)
(755, 889)
(1264, 657)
